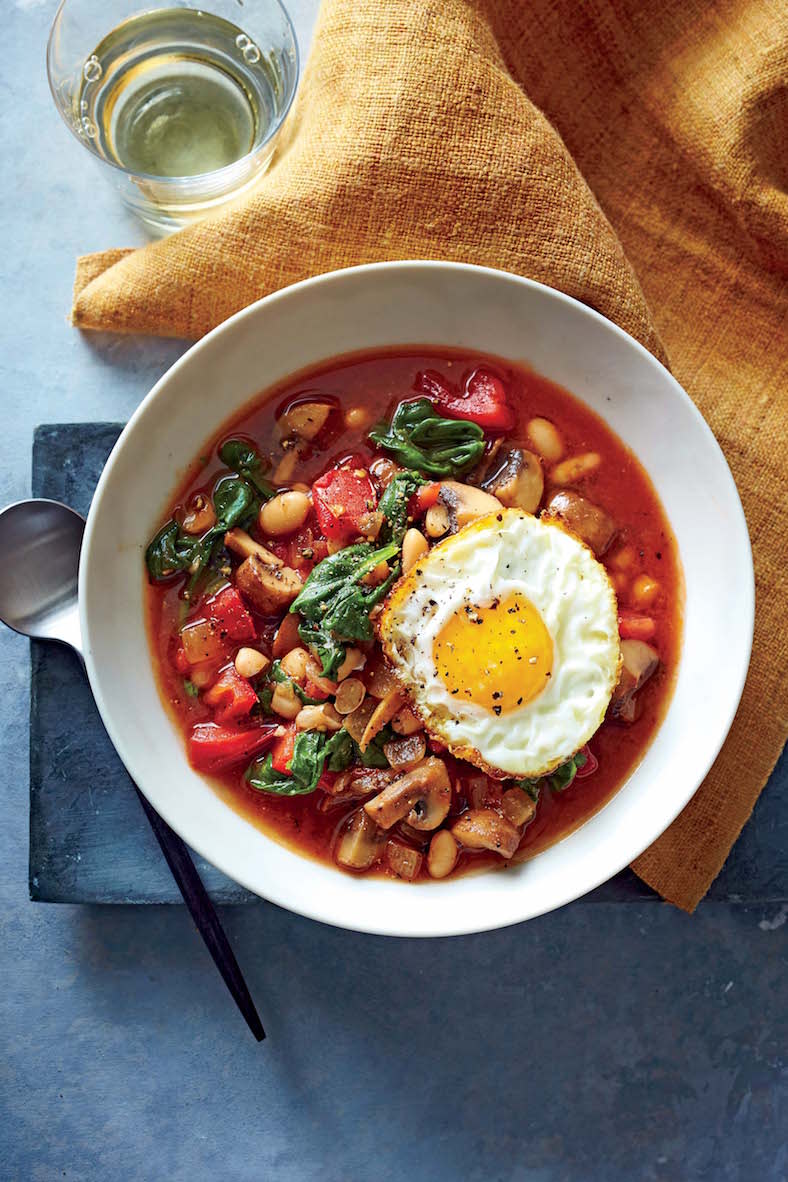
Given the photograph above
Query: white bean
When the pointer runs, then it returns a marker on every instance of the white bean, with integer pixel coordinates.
(318, 718)
(285, 701)
(354, 659)
(436, 520)
(443, 854)
(545, 437)
(576, 467)
(284, 514)
(249, 662)
(414, 544)
(357, 417)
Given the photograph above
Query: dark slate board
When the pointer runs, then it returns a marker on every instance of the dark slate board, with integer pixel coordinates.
(89, 840)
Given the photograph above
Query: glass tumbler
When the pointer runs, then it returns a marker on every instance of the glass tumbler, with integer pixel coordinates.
(182, 106)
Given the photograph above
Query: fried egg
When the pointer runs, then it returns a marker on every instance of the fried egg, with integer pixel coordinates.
(505, 639)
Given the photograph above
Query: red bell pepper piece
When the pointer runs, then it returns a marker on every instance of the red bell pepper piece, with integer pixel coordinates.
(231, 696)
(482, 400)
(213, 748)
(282, 750)
(342, 498)
(632, 627)
(227, 610)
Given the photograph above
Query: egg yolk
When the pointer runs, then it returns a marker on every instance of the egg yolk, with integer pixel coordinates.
(498, 656)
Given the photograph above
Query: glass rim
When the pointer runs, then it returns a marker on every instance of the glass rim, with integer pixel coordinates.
(218, 173)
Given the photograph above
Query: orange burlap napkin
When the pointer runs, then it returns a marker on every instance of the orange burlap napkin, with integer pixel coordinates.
(630, 154)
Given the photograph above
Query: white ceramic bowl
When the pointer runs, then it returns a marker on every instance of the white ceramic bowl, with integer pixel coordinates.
(437, 304)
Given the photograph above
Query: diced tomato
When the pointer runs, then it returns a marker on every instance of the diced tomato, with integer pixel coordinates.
(282, 750)
(425, 498)
(305, 549)
(182, 663)
(280, 547)
(482, 400)
(228, 611)
(632, 627)
(590, 765)
(231, 696)
(212, 748)
(342, 498)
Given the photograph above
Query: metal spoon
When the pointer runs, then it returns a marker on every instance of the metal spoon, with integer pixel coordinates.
(40, 542)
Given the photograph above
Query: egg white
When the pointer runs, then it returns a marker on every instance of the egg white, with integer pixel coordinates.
(497, 556)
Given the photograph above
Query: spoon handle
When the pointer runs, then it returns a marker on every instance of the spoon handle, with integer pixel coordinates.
(204, 915)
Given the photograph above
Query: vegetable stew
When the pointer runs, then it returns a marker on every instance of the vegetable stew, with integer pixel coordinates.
(278, 553)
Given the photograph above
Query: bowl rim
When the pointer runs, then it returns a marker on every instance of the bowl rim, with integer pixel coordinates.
(639, 840)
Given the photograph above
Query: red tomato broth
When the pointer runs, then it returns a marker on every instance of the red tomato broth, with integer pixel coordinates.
(378, 382)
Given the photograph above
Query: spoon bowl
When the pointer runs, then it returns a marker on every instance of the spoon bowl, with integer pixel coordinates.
(41, 542)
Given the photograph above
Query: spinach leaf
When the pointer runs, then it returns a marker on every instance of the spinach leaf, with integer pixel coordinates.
(234, 500)
(311, 753)
(173, 550)
(339, 751)
(374, 756)
(170, 551)
(243, 459)
(308, 758)
(532, 788)
(263, 776)
(563, 776)
(335, 604)
(329, 651)
(394, 505)
(557, 781)
(424, 440)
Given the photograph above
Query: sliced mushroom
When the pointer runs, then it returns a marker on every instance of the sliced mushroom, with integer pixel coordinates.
(269, 589)
(423, 795)
(640, 661)
(403, 860)
(383, 713)
(590, 523)
(239, 542)
(464, 504)
(484, 829)
(517, 480)
(361, 781)
(361, 845)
